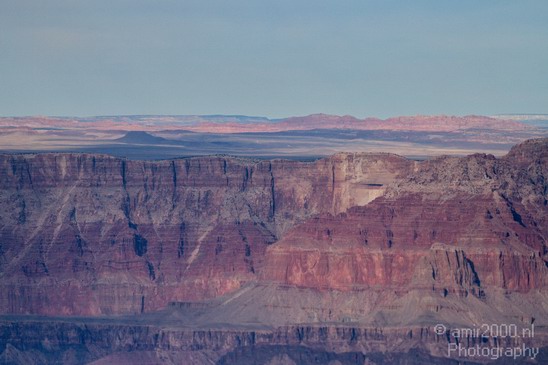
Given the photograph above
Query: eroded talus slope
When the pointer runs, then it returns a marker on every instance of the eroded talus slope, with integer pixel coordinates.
(93, 234)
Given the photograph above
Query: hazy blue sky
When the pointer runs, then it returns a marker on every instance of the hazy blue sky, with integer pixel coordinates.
(273, 58)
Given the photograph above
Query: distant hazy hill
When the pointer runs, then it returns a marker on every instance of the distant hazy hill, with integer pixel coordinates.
(140, 137)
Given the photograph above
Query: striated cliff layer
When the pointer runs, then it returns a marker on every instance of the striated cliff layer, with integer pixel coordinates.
(86, 234)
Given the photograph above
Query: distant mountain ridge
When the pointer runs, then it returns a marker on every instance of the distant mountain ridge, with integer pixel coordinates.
(242, 124)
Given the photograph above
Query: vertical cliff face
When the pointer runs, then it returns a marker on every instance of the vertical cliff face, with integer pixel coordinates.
(93, 234)
(455, 225)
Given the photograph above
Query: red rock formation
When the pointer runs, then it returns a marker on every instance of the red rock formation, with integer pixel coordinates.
(93, 234)
(453, 225)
